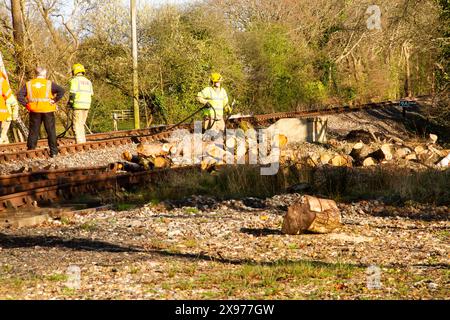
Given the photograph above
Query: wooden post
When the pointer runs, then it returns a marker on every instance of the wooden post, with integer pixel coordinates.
(137, 124)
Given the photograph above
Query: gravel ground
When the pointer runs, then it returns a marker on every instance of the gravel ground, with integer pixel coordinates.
(199, 248)
(91, 158)
(388, 120)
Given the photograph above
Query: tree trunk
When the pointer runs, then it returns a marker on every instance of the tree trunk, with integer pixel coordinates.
(19, 36)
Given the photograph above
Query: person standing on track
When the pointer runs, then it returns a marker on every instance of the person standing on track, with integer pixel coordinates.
(216, 98)
(40, 96)
(13, 109)
(6, 94)
(81, 93)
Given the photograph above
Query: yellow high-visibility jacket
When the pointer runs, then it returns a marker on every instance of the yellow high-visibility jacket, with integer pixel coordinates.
(6, 93)
(81, 93)
(217, 99)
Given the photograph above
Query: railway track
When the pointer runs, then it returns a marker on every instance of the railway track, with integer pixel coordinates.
(96, 142)
(17, 151)
(96, 137)
(45, 187)
(48, 187)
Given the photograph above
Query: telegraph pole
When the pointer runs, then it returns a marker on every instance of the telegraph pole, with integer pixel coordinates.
(137, 124)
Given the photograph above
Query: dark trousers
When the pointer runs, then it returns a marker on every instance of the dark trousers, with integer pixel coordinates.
(49, 123)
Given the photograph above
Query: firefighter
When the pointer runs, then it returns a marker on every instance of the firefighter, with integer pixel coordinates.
(13, 110)
(215, 98)
(40, 96)
(81, 93)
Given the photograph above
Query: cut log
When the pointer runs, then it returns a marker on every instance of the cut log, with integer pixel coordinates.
(433, 138)
(387, 150)
(359, 152)
(161, 163)
(411, 157)
(130, 167)
(429, 158)
(311, 214)
(444, 162)
(356, 151)
(382, 154)
(155, 149)
(369, 162)
(325, 158)
(402, 153)
(130, 157)
(419, 150)
(339, 161)
(283, 140)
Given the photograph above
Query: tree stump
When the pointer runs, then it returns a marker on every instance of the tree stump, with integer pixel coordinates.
(312, 214)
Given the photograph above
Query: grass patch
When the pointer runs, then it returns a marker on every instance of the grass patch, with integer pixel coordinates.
(89, 226)
(126, 206)
(191, 211)
(57, 277)
(258, 281)
(392, 184)
(443, 235)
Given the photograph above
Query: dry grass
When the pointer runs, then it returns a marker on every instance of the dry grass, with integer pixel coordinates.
(391, 184)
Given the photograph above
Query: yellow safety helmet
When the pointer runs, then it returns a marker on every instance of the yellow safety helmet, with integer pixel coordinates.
(78, 68)
(216, 77)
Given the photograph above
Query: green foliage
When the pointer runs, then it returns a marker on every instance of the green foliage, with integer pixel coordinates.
(315, 91)
(274, 57)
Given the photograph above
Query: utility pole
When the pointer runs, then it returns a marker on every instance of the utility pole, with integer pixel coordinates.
(137, 124)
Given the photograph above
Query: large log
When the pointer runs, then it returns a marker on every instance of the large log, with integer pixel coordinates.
(429, 158)
(312, 214)
(411, 157)
(128, 156)
(341, 161)
(433, 139)
(359, 152)
(161, 163)
(444, 162)
(382, 154)
(402, 153)
(155, 149)
(369, 162)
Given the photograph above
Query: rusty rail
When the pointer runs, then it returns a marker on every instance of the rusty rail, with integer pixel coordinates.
(96, 137)
(64, 184)
(106, 140)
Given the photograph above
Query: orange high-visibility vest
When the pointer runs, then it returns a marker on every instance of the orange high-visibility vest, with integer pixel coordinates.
(39, 96)
(5, 95)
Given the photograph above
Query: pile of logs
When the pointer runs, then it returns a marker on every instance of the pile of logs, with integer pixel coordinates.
(365, 153)
(151, 156)
(428, 154)
(375, 152)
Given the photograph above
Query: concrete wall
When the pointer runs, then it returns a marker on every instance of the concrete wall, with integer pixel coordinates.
(312, 130)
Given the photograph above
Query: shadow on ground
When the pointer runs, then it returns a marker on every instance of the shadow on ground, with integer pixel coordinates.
(14, 242)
